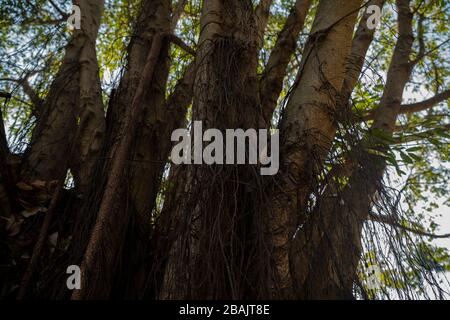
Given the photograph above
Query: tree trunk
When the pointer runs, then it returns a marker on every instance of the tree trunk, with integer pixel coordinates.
(330, 243)
(214, 217)
(75, 93)
(308, 128)
(140, 226)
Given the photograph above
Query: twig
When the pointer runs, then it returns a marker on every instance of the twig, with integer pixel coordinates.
(392, 222)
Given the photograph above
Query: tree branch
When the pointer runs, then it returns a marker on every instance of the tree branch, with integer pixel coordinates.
(426, 104)
(271, 81)
(42, 22)
(420, 135)
(420, 57)
(29, 91)
(420, 36)
(416, 107)
(63, 14)
(394, 223)
(180, 43)
(360, 45)
(262, 12)
(177, 14)
(182, 94)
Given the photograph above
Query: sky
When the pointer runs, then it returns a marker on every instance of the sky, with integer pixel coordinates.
(442, 214)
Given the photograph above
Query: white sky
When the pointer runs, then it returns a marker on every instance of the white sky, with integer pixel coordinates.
(444, 220)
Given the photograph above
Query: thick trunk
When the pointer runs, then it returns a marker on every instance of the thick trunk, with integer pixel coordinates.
(225, 232)
(70, 124)
(115, 213)
(152, 143)
(75, 93)
(55, 128)
(330, 243)
(137, 156)
(212, 253)
(150, 163)
(308, 127)
(91, 129)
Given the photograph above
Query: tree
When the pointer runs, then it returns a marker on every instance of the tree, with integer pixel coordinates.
(86, 177)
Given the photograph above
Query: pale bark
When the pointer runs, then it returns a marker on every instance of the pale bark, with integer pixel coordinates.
(418, 106)
(426, 104)
(360, 45)
(224, 232)
(308, 128)
(354, 65)
(271, 81)
(330, 241)
(398, 74)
